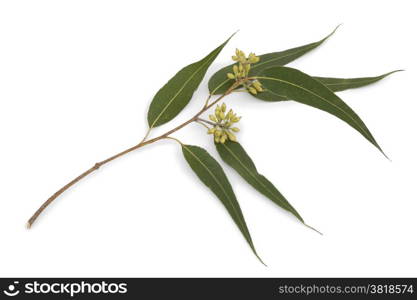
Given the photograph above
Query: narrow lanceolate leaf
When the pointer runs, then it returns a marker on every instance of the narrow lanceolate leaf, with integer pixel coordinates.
(219, 83)
(212, 175)
(334, 84)
(302, 88)
(178, 91)
(341, 84)
(235, 156)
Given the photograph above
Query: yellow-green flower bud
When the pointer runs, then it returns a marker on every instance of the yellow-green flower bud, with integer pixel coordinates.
(223, 138)
(258, 86)
(213, 118)
(218, 132)
(231, 136)
(247, 68)
(235, 58)
(241, 54)
(235, 70)
(252, 90)
(231, 76)
(223, 107)
(236, 119)
(221, 115)
(217, 139)
(217, 113)
(240, 67)
(228, 124)
(235, 129)
(253, 58)
(211, 130)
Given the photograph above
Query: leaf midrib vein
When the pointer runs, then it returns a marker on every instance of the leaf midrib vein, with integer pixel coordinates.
(353, 82)
(182, 87)
(300, 87)
(223, 190)
(252, 174)
(280, 57)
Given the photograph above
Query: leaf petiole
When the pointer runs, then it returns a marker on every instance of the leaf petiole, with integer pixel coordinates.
(174, 139)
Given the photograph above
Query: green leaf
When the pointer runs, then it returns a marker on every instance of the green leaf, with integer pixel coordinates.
(341, 84)
(219, 83)
(212, 175)
(302, 88)
(178, 91)
(236, 157)
(334, 84)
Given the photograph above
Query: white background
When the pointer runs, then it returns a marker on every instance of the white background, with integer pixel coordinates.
(76, 80)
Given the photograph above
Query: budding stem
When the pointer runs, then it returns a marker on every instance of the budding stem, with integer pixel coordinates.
(208, 122)
(144, 142)
(201, 123)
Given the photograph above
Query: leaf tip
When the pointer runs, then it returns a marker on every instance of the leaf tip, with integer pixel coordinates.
(373, 141)
(231, 36)
(389, 73)
(395, 71)
(382, 151)
(312, 228)
(334, 30)
(262, 262)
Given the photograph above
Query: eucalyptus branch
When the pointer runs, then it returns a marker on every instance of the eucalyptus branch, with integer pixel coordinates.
(261, 77)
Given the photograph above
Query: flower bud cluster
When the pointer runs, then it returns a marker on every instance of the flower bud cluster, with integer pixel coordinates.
(223, 124)
(241, 71)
